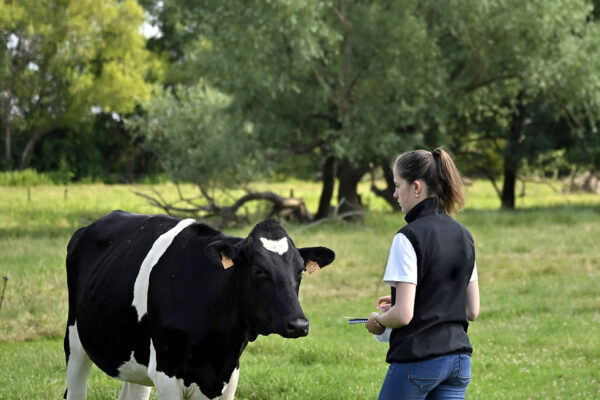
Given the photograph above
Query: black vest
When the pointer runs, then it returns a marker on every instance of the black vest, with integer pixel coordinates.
(445, 260)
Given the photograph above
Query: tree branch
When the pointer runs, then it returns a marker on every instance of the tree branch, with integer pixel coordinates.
(283, 207)
(476, 85)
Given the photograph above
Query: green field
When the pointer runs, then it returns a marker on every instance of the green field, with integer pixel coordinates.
(537, 337)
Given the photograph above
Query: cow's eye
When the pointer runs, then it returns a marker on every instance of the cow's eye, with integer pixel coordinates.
(259, 273)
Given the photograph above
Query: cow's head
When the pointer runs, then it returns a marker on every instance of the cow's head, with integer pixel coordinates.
(269, 269)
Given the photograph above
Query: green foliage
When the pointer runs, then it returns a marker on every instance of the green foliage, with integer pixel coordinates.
(60, 59)
(364, 81)
(302, 96)
(27, 177)
(196, 136)
(358, 80)
(280, 63)
(104, 151)
(521, 80)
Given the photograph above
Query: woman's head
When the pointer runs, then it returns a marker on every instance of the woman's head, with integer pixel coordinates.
(428, 174)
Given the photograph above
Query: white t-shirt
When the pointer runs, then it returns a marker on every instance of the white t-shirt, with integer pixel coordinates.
(402, 263)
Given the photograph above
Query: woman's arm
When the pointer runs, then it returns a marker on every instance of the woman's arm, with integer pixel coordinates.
(400, 314)
(472, 300)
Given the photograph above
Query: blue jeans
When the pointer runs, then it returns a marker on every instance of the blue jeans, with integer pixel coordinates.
(440, 378)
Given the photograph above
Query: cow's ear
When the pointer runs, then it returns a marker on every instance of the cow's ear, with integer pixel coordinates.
(222, 253)
(316, 258)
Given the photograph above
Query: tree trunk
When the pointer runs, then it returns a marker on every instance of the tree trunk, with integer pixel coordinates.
(15, 66)
(329, 173)
(7, 132)
(28, 150)
(345, 103)
(513, 155)
(349, 201)
(388, 193)
(7, 144)
(508, 187)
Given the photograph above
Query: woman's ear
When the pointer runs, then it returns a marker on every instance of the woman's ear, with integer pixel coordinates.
(418, 185)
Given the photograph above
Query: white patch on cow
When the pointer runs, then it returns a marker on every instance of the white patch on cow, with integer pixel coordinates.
(230, 388)
(193, 392)
(133, 371)
(78, 366)
(142, 282)
(276, 246)
(132, 391)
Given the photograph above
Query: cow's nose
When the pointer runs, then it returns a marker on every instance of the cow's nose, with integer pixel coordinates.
(297, 327)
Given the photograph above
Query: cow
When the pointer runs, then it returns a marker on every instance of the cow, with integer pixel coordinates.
(172, 303)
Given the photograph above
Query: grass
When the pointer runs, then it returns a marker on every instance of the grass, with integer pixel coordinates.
(537, 337)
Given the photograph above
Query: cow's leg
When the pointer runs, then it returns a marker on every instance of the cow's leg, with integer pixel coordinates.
(132, 391)
(167, 388)
(231, 386)
(78, 365)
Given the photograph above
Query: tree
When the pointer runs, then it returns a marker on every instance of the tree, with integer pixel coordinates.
(60, 59)
(199, 137)
(314, 77)
(355, 83)
(516, 66)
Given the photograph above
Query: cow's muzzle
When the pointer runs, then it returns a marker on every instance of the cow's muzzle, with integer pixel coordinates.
(296, 328)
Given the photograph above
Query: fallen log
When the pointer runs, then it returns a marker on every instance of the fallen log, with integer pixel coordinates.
(204, 208)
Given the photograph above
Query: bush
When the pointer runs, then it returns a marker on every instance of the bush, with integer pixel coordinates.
(27, 177)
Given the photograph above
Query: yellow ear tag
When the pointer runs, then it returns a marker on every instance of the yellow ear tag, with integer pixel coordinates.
(312, 266)
(227, 262)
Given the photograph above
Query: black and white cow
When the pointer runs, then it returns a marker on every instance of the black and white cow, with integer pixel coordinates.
(159, 301)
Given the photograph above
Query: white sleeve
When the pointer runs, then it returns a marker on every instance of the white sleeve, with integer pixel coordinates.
(402, 262)
(474, 276)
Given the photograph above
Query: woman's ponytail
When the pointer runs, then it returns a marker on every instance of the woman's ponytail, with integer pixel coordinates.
(451, 184)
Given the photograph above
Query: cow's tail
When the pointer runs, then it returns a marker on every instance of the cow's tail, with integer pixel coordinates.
(73, 271)
(72, 278)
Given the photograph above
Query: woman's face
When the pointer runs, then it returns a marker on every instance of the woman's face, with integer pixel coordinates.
(405, 193)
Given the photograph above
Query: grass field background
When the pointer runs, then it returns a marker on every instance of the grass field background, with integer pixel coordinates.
(537, 337)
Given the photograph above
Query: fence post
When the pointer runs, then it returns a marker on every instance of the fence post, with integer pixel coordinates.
(3, 289)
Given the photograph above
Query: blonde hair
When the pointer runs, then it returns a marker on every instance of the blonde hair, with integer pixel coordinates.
(437, 169)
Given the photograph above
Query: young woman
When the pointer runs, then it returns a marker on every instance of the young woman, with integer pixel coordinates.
(433, 277)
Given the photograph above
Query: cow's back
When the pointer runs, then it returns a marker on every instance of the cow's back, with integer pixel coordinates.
(107, 254)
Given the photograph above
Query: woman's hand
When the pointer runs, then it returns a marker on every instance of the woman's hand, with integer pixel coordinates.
(384, 303)
(373, 326)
